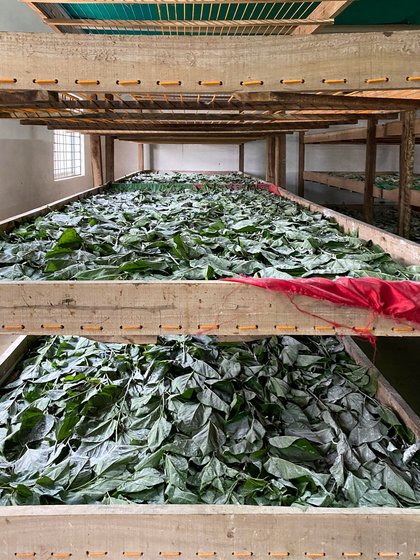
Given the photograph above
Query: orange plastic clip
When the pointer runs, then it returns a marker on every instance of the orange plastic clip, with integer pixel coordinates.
(170, 327)
(91, 328)
(291, 82)
(13, 327)
(336, 81)
(128, 82)
(45, 81)
(178, 83)
(253, 83)
(215, 83)
(247, 327)
(52, 327)
(87, 82)
(208, 327)
(376, 80)
(131, 327)
(8, 80)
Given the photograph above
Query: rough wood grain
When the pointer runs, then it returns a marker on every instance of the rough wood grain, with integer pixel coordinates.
(219, 531)
(232, 60)
(301, 165)
(125, 308)
(370, 171)
(406, 172)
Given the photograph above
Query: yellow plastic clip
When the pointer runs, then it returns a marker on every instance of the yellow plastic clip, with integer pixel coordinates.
(8, 80)
(291, 82)
(94, 554)
(128, 82)
(91, 328)
(336, 81)
(13, 327)
(376, 80)
(45, 81)
(169, 554)
(253, 83)
(178, 83)
(131, 327)
(285, 327)
(363, 329)
(247, 327)
(403, 329)
(51, 327)
(215, 83)
(87, 82)
(208, 327)
(170, 327)
(323, 328)
(413, 78)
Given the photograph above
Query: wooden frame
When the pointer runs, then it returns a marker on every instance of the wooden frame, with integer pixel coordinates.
(136, 311)
(154, 531)
(164, 65)
(356, 186)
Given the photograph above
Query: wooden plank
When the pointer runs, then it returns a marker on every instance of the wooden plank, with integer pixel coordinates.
(109, 159)
(280, 160)
(187, 25)
(115, 127)
(157, 59)
(301, 165)
(223, 531)
(112, 308)
(406, 172)
(354, 185)
(323, 10)
(386, 394)
(96, 159)
(370, 171)
(241, 162)
(141, 157)
(270, 159)
(16, 349)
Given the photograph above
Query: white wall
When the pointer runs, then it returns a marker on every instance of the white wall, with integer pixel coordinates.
(26, 152)
(254, 158)
(193, 157)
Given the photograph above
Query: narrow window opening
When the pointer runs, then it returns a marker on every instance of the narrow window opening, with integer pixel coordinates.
(69, 158)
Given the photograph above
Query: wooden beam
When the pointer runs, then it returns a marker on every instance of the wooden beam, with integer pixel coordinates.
(190, 528)
(406, 172)
(159, 62)
(141, 157)
(329, 102)
(301, 165)
(96, 159)
(370, 171)
(16, 349)
(109, 159)
(270, 155)
(280, 161)
(241, 163)
(104, 308)
(323, 10)
(187, 25)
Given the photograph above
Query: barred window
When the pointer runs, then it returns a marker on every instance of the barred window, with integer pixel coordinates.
(68, 155)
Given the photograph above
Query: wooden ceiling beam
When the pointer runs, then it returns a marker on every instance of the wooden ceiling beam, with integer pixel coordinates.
(325, 10)
(158, 64)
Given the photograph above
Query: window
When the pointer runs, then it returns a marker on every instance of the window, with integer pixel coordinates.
(68, 155)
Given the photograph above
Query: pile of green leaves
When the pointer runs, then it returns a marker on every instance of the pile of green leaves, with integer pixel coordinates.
(174, 231)
(273, 422)
(189, 179)
(386, 181)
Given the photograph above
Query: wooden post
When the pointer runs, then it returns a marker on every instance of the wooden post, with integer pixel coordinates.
(96, 158)
(370, 171)
(406, 172)
(241, 157)
(141, 157)
(280, 160)
(301, 165)
(270, 159)
(109, 159)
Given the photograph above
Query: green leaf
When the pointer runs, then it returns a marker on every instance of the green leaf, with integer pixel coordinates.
(69, 239)
(159, 432)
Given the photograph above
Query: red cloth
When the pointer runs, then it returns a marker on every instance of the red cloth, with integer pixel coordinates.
(397, 299)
